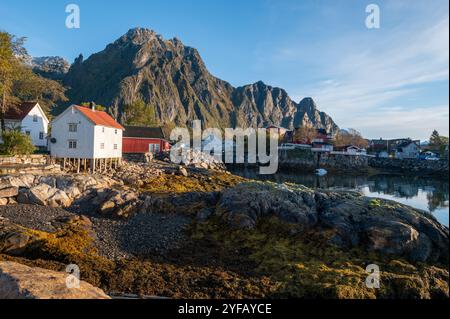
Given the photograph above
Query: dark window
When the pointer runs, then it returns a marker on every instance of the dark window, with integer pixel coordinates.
(72, 144)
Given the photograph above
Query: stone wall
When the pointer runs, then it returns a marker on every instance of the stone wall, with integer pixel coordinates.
(37, 159)
(305, 159)
(413, 166)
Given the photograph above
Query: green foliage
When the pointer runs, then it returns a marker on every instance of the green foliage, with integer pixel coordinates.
(19, 83)
(438, 142)
(16, 143)
(98, 107)
(140, 114)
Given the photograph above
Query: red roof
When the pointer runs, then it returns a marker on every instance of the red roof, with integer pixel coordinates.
(19, 112)
(99, 117)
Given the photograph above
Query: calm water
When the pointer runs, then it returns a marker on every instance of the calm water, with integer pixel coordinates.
(426, 194)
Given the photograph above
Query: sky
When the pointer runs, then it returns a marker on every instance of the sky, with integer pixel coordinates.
(386, 82)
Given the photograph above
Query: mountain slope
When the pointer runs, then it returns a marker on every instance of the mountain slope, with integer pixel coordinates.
(173, 79)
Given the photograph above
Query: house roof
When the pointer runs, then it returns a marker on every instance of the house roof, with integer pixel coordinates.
(344, 147)
(143, 132)
(20, 111)
(405, 144)
(99, 117)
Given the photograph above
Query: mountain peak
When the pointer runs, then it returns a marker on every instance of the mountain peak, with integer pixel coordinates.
(173, 80)
(139, 36)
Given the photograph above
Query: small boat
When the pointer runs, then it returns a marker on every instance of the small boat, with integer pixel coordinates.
(321, 172)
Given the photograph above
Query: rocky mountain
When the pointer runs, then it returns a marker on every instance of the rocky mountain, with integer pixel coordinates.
(52, 67)
(173, 79)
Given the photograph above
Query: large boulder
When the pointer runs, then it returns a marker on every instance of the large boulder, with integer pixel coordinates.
(18, 281)
(245, 204)
(44, 195)
(351, 220)
(385, 226)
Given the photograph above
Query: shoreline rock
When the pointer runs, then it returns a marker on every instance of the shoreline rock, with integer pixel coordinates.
(18, 281)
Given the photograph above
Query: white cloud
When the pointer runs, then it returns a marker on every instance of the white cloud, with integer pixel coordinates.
(369, 74)
(417, 123)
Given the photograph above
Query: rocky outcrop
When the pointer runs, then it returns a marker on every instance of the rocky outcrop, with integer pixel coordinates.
(174, 82)
(52, 67)
(18, 281)
(354, 220)
(196, 159)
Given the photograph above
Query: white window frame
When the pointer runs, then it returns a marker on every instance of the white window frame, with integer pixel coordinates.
(73, 127)
(73, 144)
(102, 146)
(41, 135)
(35, 118)
(116, 147)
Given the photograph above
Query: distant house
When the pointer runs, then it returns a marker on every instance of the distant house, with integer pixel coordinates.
(378, 145)
(389, 146)
(350, 149)
(87, 136)
(383, 154)
(409, 149)
(140, 139)
(31, 120)
(322, 136)
(322, 147)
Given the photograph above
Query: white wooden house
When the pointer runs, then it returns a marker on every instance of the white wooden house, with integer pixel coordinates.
(86, 139)
(31, 120)
(409, 149)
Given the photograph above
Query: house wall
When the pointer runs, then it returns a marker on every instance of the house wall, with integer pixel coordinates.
(28, 125)
(35, 128)
(84, 136)
(141, 145)
(410, 151)
(109, 137)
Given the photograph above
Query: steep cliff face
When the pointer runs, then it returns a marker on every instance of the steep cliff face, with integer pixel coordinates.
(173, 79)
(52, 67)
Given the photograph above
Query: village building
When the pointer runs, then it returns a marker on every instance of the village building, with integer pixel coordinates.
(30, 118)
(86, 139)
(409, 149)
(381, 147)
(322, 147)
(140, 139)
(351, 150)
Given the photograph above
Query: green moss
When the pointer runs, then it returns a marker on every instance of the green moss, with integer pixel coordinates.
(306, 266)
(215, 181)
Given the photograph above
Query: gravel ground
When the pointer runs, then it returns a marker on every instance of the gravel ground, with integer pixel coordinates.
(34, 217)
(138, 236)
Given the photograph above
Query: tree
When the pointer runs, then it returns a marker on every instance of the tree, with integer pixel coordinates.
(138, 113)
(350, 137)
(438, 142)
(16, 143)
(435, 139)
(19, 83)
(98, 107)
(9, 64)
(305, 134)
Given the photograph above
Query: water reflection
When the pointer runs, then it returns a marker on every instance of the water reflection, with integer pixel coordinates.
(426, 194)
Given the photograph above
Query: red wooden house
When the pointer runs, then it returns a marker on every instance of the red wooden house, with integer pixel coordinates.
(140, 139)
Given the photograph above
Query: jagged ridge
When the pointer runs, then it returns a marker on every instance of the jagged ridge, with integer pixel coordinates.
(173, 79)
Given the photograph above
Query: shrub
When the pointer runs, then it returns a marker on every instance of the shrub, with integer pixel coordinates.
(16, 143)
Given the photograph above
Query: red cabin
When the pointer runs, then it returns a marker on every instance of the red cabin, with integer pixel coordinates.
(140, 139)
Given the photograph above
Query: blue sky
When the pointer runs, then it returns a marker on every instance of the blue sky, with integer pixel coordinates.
(390, 82)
